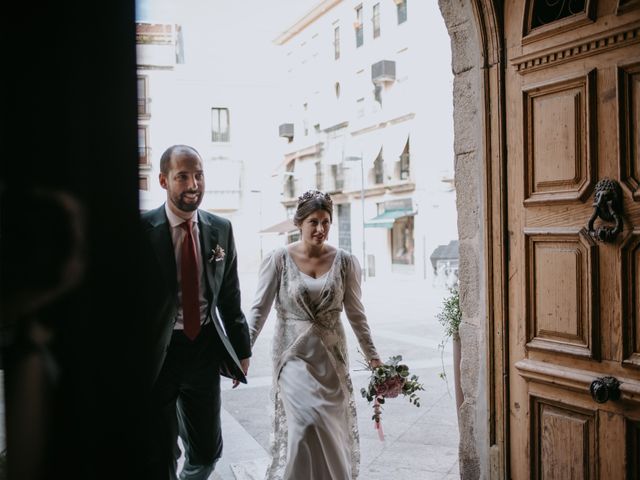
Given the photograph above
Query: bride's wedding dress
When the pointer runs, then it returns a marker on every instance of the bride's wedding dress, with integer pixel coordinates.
(315, 433)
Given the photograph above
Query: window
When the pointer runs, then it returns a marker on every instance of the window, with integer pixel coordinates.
(336, 43)
(344, 226)
(144, 157)
(179, 45)
(402, 244)
(143, 183)
(378, 169)
(290, 187)
(305, 120)
(220, 125)
(319, 175)
(293, 236)
(405, 162)
(377, 94)
(544, 11)
(143, 96)
(401, 7)
(290, 181)
(337, 176)
(376, 20)
(337, 89)
(359, 27)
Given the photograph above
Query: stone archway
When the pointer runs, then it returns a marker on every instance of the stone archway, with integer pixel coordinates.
(476, 38)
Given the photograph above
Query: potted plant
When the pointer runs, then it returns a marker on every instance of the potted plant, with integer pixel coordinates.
(450, 317)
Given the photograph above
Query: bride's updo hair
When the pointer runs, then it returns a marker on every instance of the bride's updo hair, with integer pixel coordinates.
(312, 201)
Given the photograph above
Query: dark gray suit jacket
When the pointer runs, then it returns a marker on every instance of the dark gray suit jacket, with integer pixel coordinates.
(222, 288)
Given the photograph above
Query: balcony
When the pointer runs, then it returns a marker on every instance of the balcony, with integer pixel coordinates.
(144, 157)
(383, 71)
(143, 107)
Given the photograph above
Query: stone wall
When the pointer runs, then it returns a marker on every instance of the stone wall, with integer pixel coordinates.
(469, 175)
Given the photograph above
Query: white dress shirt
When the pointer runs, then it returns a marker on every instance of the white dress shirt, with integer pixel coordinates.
(177, 235)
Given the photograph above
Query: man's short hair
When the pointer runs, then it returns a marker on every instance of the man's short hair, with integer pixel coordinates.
(165, 159)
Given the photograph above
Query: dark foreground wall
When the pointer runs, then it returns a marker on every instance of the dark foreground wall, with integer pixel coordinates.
(74, 325)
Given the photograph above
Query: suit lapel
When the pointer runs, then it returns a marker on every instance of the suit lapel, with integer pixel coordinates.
(208, 241)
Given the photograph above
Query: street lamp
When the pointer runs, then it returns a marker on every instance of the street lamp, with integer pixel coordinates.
(364, 249)
(259, 192)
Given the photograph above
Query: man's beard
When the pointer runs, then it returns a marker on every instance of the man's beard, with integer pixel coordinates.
(187, 207)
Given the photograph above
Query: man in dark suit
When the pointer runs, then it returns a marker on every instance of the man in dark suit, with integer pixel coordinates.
(194, 273)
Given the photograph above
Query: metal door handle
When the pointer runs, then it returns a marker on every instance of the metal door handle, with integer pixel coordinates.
(605, 388)
(607, 205)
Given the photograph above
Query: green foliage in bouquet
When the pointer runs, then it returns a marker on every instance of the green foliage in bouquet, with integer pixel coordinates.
(388, 381)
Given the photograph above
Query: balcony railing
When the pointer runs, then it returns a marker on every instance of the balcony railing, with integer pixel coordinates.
(218, 136)
(143, 107)
(144, 156)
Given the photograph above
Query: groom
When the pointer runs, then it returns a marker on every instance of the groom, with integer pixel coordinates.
(195, 273)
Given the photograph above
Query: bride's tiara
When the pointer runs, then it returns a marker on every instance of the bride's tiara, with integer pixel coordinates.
(309, 194)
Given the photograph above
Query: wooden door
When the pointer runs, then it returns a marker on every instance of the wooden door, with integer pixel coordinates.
(572, 87)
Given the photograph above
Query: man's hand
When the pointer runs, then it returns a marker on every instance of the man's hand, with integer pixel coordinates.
(244, 364)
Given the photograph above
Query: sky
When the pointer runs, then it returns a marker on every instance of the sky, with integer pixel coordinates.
(235, 35)
(262, 19)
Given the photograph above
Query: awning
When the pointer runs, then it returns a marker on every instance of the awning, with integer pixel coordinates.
(367, 146)
(283, 227)
(386, 219)
(395, 140)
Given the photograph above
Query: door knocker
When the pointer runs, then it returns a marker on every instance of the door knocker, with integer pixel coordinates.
(604, 389)
(608, 206)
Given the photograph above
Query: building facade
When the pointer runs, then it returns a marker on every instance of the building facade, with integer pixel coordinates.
(368, 123)
(187, 96)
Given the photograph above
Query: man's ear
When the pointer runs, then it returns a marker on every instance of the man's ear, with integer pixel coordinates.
(163, 180)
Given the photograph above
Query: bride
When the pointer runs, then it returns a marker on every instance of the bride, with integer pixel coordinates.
(315, 433)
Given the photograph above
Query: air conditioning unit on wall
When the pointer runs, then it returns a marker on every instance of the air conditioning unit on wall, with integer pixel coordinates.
(383, 71)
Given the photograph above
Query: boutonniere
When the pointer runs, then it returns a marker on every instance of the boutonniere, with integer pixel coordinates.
(217, 254)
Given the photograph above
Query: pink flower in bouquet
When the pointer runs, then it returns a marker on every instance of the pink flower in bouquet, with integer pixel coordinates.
(391, 387)
(389, 380)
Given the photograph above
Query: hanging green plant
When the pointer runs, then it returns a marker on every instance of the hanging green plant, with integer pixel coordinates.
(450, 315)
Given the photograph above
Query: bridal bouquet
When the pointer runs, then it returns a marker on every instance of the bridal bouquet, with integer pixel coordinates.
(388, 381)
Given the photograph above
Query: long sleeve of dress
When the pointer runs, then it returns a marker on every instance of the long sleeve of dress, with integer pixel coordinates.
(265, 294)
(355, 310)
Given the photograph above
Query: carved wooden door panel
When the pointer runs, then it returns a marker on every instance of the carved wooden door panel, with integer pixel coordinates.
(573, 118)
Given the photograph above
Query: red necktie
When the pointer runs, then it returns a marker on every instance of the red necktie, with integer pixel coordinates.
(190, 290)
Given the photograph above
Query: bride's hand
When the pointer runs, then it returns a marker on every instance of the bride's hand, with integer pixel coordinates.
(375, 362)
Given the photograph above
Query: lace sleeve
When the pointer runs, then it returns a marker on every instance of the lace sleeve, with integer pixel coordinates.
(355, 310)
(265, 294)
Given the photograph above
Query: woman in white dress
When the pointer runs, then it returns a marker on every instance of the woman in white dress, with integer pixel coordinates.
(315, 433)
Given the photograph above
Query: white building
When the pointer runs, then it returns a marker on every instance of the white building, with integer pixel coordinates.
(187, 96)
(364, 114)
